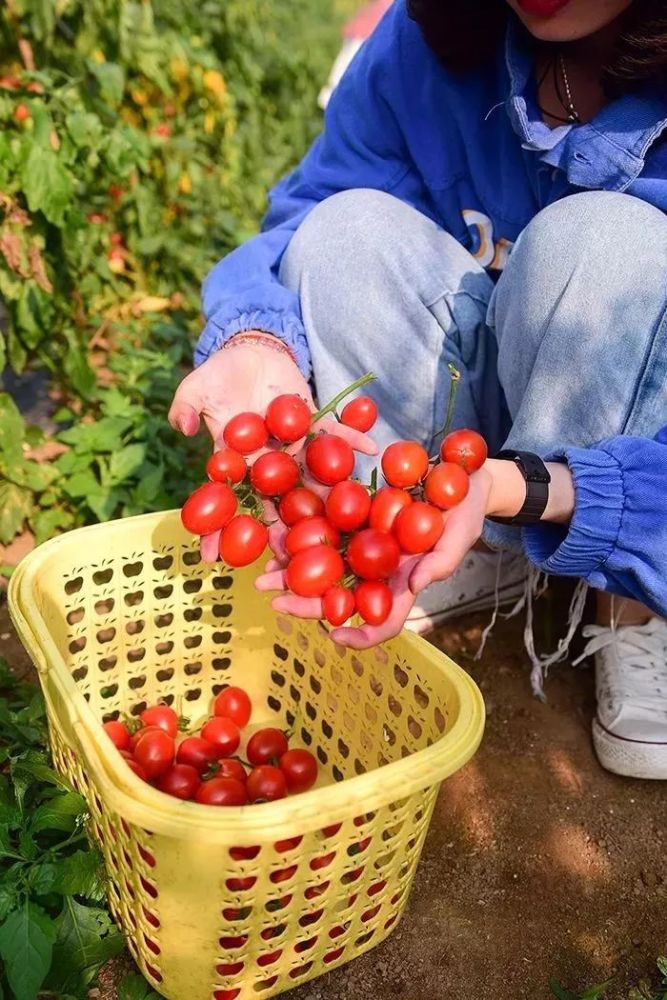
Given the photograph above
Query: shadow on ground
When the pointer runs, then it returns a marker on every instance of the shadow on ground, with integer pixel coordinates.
(537, 864)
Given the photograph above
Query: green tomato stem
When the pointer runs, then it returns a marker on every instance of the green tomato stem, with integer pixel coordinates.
(332, 406)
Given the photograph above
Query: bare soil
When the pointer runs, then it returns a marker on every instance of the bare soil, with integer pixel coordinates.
(538, 863)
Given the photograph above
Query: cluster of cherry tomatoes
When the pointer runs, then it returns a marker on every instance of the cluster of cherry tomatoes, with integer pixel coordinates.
(206, 768)
(344, 539)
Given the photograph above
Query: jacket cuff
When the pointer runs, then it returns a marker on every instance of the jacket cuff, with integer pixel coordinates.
(582, 547)
(287, 328)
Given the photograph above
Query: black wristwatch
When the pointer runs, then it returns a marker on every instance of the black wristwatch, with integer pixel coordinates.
(537, 477)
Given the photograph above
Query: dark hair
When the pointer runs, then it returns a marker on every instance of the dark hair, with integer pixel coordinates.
(465, 34)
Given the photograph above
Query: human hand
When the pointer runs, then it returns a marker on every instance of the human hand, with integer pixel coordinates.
(463, 527)
(246, 376)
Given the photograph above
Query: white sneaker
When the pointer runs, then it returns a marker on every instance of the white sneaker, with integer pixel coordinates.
(630, 731)
(471, 588)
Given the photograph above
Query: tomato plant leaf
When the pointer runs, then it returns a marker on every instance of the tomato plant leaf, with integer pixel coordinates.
(86, 939)
(15, 508)
(46, 183)
(60, 813)
(12, 428)
(78, 874)
(136, 988)
(125, 462)
(26, 945)
(110, 78)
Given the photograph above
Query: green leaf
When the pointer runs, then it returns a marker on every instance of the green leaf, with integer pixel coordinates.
(46, 184)
(46, 523)
(86, 939)
(104, 435)
(26, 946)
(111, 79)
(8, 898)
(125, 462)
(12, 428)
(85, 129)
(80, 874)
(136, 988)
(60, 813)
(560, 992)
(15, 508)
(662, 966)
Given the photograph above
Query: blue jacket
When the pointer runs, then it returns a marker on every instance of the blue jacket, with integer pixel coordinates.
(474, 155)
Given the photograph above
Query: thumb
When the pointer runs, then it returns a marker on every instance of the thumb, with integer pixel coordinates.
(184, 417)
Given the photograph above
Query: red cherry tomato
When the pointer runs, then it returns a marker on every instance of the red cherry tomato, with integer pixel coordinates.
(243, 541)
(222, 792)
(330, 459)
(21, 113)
(135, 737)
(404, 464)
(309, 532)
(118, 733)
(181, 781)
(374, 601)
(338, 605)
(137, 768)
(387, 503)
(465, 448)
(246, 432)
(208, 509)
(233, 703)
(266, 784)
(226, 466)
(418, 527)
(360, 413)
(311, 572)
(161, 716)
(288, 418)
(223, 734)
(299, 503)
(197, 752)
(266, 745)
(446, 485)
(155, 753)
(373, 555)
(300, 770)
(230, 768)
(348, 505)
(274, 474)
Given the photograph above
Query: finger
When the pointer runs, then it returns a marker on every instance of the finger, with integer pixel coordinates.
(275, 580)
(463, 526)
(302, 607)
(183, 417)
(209, 547)
(373, 635)
(359, 441)
(273, 565)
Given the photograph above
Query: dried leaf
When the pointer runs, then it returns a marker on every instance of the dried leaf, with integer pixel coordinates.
(11, 248)
(37, 267)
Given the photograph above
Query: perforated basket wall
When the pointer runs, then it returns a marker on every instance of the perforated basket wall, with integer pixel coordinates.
(226, 903)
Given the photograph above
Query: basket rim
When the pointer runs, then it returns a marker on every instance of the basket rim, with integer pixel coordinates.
(147, 807)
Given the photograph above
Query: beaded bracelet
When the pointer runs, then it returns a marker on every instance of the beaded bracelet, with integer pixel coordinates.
(260, 338)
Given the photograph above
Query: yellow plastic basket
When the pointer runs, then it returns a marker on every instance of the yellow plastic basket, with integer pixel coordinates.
(220, 903)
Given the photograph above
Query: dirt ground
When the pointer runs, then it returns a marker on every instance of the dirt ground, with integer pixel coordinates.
(538, 863)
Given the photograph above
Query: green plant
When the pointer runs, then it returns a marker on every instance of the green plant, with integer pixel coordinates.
(644, 991)
(137, 143)
(55, 931)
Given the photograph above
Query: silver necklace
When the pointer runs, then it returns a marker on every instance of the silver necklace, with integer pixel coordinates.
(572, 113)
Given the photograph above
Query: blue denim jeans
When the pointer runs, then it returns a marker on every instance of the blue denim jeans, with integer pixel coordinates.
(569, 347)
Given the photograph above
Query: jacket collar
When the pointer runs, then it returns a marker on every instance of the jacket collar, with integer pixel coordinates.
(607, 153)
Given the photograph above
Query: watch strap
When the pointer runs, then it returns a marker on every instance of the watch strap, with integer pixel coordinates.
(537, 478)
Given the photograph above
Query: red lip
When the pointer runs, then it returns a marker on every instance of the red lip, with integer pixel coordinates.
(543, 8)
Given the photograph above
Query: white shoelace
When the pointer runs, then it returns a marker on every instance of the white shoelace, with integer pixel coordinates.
(637, 669)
